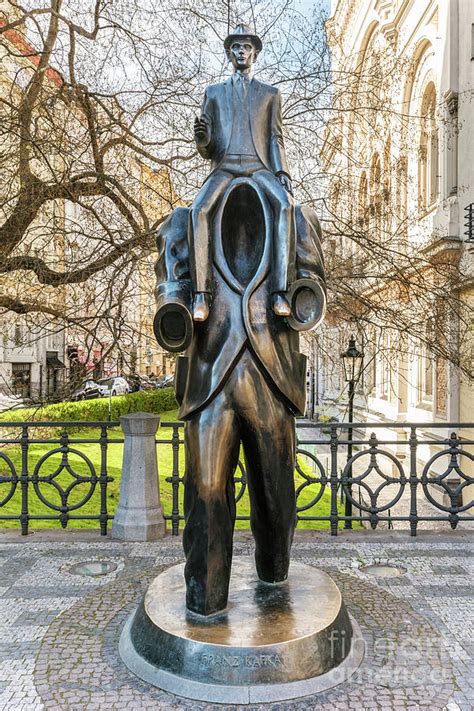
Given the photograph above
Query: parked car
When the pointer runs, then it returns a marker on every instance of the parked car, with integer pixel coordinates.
(13, 402)
(114, 385)
(166, 381)
(88, 390)
(140, 382)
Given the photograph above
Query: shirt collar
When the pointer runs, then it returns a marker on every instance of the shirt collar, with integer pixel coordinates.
(246, 76)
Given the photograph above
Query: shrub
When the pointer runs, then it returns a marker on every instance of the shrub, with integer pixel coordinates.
(95, 410)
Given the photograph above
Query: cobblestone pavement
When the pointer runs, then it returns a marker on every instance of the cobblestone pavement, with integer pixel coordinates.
(59, 631)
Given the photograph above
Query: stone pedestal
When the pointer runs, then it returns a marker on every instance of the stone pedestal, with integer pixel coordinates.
(139, 515)
(273, 642)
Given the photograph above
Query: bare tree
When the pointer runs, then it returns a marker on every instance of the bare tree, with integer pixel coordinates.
(97, 103)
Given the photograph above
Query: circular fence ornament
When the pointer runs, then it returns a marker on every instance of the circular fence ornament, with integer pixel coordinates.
(64, 493)
(348, 482)
(310, 480)
(450, 486)
(11, 479)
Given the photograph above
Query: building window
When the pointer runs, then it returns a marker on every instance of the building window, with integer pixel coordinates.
(363, 210)
(376, 195)
(372, 369)
(401, 197)
(425, 368)
(387, 187)
(441, 388)
(18, 336)
(385, 369)
(51, 382)
(21, 379)
(425, 376)
(428, 162)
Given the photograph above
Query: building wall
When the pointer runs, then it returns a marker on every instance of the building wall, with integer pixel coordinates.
(383, 149)
(30, 352)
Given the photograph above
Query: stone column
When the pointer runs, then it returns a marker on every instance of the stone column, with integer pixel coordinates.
(139, 515)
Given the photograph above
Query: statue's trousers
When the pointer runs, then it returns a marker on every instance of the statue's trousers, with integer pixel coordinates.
(246, 411)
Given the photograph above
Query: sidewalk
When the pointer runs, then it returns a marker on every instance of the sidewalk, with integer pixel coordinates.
(59, 631)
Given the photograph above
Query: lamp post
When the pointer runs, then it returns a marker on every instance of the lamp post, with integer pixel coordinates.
(352, 360)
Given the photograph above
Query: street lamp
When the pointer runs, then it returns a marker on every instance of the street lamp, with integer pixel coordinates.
(352, 360)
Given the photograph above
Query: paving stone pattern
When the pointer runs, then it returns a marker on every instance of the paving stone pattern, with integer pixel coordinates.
(59, 632)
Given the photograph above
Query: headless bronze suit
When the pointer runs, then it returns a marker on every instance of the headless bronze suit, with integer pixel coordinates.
(241, 380)
(247, 411)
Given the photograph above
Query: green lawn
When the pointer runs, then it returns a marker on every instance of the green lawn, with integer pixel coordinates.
(114, 461)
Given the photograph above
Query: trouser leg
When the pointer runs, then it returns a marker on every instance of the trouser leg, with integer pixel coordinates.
(284, 232)
(199, 230)
(212, 450)
(268, 438)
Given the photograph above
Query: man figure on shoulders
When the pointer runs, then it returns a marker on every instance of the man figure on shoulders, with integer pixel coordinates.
(240, 131)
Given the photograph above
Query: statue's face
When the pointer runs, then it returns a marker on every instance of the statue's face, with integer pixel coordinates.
(242, 53)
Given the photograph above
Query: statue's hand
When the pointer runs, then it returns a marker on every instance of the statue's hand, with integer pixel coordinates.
(202, 131)
(285, 180)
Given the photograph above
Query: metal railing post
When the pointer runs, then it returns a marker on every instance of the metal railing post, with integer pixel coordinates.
(334, 515)
(175, 481)
(24, 517)
(348, 493)
(103, 481)
(413, 443)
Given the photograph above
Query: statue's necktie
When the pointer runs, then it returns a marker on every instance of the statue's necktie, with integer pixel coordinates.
(241, 87)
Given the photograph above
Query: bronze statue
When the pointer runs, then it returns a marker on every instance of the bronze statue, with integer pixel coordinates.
(240, 131)
(242, 379)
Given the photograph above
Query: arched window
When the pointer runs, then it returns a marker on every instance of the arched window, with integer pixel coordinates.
(387, 171)
(425, 365)
(428, 151)
(363, 203)
(376, 195)
(401, 190)
(387, 188)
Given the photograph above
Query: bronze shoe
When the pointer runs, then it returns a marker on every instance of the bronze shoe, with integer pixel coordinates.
(280, 304)
(201, 306)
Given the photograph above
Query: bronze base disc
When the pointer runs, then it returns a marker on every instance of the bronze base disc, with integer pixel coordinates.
(273, 642)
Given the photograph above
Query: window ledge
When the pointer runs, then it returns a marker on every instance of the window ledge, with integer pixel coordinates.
(424, 405)
(427, 211)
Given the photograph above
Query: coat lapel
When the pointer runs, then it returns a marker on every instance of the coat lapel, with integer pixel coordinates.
(254, 96)
(228, 110)
(255, 109)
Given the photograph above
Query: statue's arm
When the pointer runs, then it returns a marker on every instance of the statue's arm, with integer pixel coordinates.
(203, 129)
(277, 145)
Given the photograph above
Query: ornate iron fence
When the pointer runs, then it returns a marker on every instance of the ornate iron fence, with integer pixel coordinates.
(366, 486)
(64, 478)
(385, 480)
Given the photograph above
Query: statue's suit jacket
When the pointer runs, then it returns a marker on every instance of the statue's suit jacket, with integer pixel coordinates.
(240, 318)
(265, 124)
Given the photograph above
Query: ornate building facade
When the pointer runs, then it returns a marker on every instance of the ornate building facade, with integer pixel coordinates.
(103, 324)
(32, 355)
(399, 154)
(399, 246)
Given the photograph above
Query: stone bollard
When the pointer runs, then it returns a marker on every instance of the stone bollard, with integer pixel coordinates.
(139, 515)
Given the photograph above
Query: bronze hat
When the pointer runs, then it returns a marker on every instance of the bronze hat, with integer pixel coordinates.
(243, 30)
